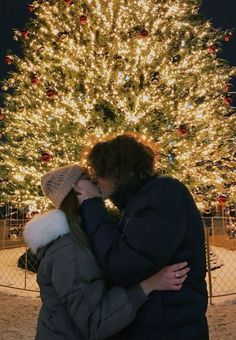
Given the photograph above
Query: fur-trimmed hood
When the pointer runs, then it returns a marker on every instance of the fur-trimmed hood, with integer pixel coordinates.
(45, 228)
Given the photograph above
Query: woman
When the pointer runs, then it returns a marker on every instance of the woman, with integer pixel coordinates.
(76, 301)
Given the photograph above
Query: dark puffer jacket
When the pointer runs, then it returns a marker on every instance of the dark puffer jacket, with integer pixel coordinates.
(160, 225)
(76, 303)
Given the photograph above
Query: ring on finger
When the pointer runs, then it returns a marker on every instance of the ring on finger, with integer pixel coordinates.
(177, 275)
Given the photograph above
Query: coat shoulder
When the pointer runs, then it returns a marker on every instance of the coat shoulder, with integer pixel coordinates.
(163, 186)
(167, 181)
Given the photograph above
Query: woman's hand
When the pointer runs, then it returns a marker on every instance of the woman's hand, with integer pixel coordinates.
(168, 278)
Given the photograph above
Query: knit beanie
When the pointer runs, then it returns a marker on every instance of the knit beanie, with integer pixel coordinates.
(57, 184)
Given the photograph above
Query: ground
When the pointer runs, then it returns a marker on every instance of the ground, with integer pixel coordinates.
(19, 312)
(221, 319)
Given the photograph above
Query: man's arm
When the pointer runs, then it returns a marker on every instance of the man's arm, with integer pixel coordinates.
(149, 239)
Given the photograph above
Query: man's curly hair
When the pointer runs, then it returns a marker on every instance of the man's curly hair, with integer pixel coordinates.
(120, 158)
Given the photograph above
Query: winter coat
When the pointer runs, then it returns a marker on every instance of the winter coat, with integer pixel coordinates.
(160, 225)
(76, 303)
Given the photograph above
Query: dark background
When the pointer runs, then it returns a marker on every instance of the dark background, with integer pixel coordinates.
(14, 14)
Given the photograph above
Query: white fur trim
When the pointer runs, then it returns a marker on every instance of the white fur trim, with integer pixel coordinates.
(45, 228)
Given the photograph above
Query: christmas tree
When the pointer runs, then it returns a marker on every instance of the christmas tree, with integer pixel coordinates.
(93, 68)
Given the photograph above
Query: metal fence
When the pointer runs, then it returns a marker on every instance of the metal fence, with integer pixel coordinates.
(221, 255)
(17, 265)
(14, 271)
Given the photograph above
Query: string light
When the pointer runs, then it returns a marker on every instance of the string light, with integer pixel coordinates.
(138, 66)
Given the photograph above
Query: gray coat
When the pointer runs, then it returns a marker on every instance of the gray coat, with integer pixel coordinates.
(76, 303)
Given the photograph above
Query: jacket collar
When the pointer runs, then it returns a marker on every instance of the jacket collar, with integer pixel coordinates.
(45, 228)
(125, 192)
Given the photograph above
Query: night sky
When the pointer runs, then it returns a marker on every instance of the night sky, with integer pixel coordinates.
(14, 14)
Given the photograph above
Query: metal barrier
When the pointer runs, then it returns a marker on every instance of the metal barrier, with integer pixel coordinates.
(11, 233)
(16, 264)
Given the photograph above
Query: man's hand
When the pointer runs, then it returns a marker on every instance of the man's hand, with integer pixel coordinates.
(85, 189)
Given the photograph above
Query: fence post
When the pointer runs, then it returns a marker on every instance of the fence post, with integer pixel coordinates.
(213, 222)
(4, 234)
(208, 264)
(26, 261)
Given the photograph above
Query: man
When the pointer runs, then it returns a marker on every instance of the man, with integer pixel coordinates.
(160, 225)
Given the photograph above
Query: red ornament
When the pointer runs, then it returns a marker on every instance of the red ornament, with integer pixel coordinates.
(35, 80)
(228, 100)
(228, 36)
(1, 135)
(46, 157)
(25, 34)
(222, 199)
(143, 33)
(69, 2)
(31, 8)
(182, 130)
(8, 60)
(83, 20)
(51, 93)
(2, 116)
(212, 49)
(227, 87)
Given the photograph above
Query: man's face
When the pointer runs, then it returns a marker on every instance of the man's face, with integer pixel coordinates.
(106, 186)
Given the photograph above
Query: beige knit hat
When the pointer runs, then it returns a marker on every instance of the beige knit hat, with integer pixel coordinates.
(57, 184)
